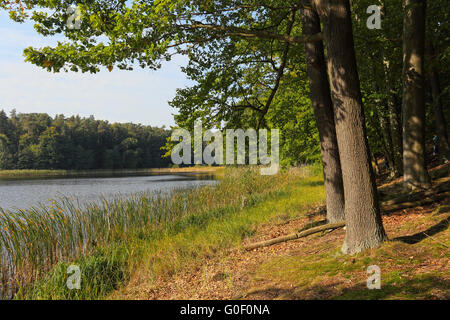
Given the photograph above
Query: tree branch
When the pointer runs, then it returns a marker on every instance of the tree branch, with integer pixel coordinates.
(248, 33)
(280, 70)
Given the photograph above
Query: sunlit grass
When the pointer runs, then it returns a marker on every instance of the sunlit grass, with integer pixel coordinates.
(408, 271)
(106, 240)
(194, 239)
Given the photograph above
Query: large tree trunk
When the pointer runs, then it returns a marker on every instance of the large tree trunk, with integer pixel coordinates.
(439, 119)
(323, 112)
(415, 174)
(362, 212)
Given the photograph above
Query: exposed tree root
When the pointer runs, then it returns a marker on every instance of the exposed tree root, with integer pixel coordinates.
(426, 197)
(293, 236)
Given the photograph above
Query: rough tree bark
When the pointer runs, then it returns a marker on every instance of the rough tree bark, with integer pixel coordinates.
(323, 112)
(415, 174)
(362, 213)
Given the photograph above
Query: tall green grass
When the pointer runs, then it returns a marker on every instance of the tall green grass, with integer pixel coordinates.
(38, 244)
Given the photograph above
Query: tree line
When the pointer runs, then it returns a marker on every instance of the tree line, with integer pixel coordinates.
(282, 64)
(38, 141)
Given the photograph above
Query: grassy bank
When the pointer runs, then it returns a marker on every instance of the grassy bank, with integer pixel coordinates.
(413, 265)
(30, 174)
(110, 241)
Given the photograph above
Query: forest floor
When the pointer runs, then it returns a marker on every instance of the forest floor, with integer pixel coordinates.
(414, 263)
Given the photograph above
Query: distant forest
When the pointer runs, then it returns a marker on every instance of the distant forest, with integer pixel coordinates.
(38, 141)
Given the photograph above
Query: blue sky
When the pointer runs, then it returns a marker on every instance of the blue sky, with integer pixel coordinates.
(138, 96)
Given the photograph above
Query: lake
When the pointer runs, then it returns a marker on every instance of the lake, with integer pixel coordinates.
(25, 193)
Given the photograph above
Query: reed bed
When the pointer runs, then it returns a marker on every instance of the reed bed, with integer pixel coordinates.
(34, 241)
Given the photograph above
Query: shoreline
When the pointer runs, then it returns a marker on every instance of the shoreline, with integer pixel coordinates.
(189, 246)
(109, 240)
(44, 173)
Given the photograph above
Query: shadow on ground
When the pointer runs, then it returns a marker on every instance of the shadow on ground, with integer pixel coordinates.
(427, 287)
(415, 238)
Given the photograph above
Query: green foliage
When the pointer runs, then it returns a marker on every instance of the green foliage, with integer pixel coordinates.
(243, 72)
(36, 141)
(379, 58)
(292, 113)
(101, 273)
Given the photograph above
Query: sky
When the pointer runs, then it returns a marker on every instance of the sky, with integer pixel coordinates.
(138, 96)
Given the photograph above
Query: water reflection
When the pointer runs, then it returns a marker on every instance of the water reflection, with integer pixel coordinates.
(23, 194)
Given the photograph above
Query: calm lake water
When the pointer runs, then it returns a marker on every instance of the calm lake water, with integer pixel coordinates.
(24, 194)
